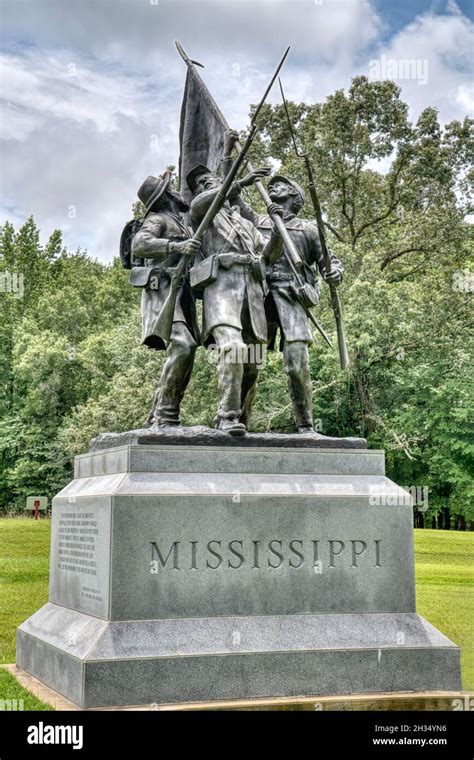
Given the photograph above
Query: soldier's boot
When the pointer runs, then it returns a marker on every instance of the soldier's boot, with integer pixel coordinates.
(174, 377)
(231, 425)
(230, 370)
(299, 385)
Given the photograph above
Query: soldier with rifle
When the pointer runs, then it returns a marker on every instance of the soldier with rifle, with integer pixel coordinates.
(162, 240)
(291, 294)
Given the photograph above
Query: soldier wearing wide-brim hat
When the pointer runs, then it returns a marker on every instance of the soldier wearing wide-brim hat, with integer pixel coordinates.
(158, 246)
(284, 302)
(231, 275)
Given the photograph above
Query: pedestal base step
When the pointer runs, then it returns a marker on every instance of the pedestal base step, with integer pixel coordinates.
(412, 701)
(98, 663)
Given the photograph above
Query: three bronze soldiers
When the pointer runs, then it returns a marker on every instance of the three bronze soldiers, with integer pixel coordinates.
(246, 285)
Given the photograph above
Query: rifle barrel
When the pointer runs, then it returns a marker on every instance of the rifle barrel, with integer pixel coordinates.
(335, 303)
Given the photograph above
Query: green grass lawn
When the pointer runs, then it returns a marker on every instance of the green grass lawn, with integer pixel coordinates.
(444, 585)
(10, 689)
(444, 572)
(24, 574)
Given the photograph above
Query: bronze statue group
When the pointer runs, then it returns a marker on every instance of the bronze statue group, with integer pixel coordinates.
(257, 274)
(250, 294)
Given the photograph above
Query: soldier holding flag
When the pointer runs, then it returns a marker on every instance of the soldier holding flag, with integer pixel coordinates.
(231, 275)
(229, 271)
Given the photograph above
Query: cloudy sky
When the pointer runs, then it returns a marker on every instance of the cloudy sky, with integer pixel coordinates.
(91, 89)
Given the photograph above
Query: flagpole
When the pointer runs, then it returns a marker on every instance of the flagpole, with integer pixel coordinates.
(207, 95)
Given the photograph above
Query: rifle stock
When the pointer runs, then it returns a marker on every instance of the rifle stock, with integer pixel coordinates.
(164, 322)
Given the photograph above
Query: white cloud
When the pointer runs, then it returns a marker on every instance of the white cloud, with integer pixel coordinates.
(84, 141)
(441, 46)
(49, 87)
(465, 98)
(92, 90)
(140, 33)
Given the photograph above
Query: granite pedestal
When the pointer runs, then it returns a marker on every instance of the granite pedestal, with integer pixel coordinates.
(185, 573)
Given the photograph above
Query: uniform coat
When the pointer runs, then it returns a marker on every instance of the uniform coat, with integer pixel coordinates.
(282, 309)
(150, 244)
(236, 298)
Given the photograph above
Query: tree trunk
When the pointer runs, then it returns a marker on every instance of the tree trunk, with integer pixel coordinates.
(419, 520)
(447, 518)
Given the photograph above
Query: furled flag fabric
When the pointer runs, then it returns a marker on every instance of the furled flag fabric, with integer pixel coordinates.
(201, 134)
